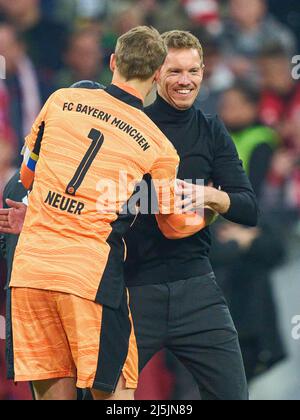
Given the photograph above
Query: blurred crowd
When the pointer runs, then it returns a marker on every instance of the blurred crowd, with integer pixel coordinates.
(249, 80)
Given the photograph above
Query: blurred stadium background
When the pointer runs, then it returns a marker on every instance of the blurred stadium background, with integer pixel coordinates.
(252, 81)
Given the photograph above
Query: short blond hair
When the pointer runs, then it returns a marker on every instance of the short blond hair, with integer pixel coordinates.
(180, 40)
(139, 53)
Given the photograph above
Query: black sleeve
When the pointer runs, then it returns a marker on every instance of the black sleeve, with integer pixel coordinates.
(259, 166)
(2, 246)
(3, 237)
(229, 175)
(15, 191)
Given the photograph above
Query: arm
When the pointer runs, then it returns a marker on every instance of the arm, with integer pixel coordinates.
(197, 197)
(229, 176)
(179, 226)
(32, 147)
(163, 179)
(171, 224)
(31, 152)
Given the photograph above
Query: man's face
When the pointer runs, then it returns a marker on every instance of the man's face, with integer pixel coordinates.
(180, 78)
(236, 111)
(9, 47)
(276, 74)
(17, 8)
(84, 56)
(247, 13)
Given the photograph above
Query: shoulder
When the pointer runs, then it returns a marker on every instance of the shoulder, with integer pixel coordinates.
(213, 127)
(76, 95)
(221, 139)
(209, 120)
(217, 126)
(65, 92)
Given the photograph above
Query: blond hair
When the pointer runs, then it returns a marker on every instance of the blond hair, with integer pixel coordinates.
(180, 40)
(139, 53)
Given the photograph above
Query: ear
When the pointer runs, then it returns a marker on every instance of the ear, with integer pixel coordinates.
(202, 72)
(112, 63)
(157, 75)
(158, 78)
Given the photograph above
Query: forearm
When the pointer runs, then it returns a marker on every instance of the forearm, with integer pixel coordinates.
(179, 226)
(228, 174)
(218, 200)
(243, 209)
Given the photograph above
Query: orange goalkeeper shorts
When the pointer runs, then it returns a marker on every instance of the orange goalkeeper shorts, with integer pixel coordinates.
(56, 335)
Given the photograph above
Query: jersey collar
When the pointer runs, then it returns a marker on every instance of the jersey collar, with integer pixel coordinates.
(126, 94)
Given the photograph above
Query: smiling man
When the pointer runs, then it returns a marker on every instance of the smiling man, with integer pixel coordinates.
(183, 73)
(175, 301)
(180, 82)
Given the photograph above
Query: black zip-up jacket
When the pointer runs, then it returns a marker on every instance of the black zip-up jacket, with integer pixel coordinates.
(207, 152)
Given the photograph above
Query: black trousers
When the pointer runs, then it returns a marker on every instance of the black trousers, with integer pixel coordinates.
(191, 319)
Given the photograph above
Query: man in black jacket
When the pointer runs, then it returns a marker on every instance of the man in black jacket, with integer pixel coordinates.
(175, 301)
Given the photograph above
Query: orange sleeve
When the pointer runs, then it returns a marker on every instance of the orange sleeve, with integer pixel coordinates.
(179, 226)
(164, 173)
(32, 147)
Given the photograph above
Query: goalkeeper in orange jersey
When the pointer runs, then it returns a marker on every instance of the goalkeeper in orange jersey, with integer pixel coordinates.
(70, 317)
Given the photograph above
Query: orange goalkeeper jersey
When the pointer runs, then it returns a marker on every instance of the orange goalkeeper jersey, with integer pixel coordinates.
(86, 152)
